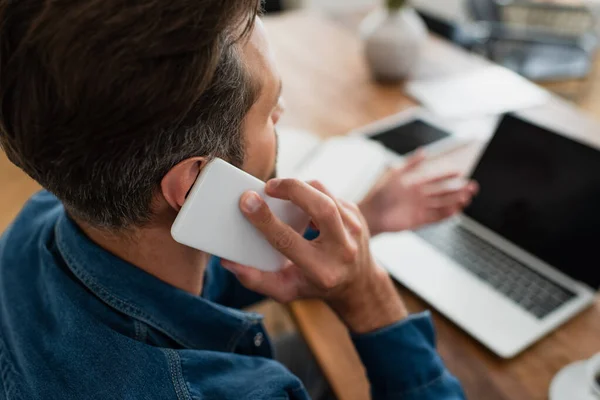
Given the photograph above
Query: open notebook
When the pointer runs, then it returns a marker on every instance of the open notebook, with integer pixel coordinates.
(348, 166)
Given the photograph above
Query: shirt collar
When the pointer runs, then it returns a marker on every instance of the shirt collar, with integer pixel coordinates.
(192, 321)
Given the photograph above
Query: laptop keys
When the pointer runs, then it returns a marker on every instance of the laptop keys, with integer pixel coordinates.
(530, 290)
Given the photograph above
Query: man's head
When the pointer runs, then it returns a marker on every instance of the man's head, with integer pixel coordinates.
(115, 106)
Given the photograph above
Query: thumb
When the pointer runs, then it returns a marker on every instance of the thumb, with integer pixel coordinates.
(251, 278)
(270, 284)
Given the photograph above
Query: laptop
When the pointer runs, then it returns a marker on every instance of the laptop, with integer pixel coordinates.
(523, 257)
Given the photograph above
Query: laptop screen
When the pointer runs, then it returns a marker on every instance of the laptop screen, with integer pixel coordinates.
(541, 191)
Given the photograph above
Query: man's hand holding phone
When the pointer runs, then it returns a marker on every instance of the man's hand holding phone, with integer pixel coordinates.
(337, 267)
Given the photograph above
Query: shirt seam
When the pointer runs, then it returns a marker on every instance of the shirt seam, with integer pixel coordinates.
(141, 330)
(175, 369)
(113, 300)
(136, 329)
(236, 338)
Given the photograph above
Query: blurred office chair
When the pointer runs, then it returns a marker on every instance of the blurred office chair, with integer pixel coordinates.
(470, 36)
(484, 10)
(541, 41)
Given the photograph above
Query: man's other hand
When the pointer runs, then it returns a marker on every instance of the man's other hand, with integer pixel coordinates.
(337, 267)
(399, 202)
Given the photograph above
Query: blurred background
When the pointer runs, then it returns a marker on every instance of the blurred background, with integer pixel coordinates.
(552, 42)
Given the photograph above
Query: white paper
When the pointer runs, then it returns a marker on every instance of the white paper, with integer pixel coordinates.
(490, 90)
(347, 166)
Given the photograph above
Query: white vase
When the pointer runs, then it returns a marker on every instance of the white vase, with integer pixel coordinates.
(393, 42)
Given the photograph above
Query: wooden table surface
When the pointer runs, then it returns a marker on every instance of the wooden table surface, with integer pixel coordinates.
(328, 90)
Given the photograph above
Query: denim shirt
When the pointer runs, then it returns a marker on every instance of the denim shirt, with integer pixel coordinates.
(76, 322)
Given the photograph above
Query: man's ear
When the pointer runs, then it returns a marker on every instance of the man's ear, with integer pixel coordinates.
(176, 184)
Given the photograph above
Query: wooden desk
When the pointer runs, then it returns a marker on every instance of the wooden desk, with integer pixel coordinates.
(328, 90)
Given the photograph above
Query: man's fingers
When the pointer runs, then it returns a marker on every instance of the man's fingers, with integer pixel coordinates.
(456, 199)
(249, 277)
(444, 192)
(469, 187)
(281, 236)
(266, 283)
(319, 206)
(473, 187)
(354, 219)
(413, 162)
(441, 179)
(440, 214)
(321, 188)
(348, 211)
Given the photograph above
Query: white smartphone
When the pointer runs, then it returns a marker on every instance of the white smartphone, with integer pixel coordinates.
(211, 220)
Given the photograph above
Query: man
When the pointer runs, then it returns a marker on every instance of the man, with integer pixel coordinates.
(115, 107)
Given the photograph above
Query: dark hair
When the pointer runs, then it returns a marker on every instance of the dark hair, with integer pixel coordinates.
(99, 99)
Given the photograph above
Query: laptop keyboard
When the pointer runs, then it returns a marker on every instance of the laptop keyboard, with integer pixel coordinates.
(524, 286)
